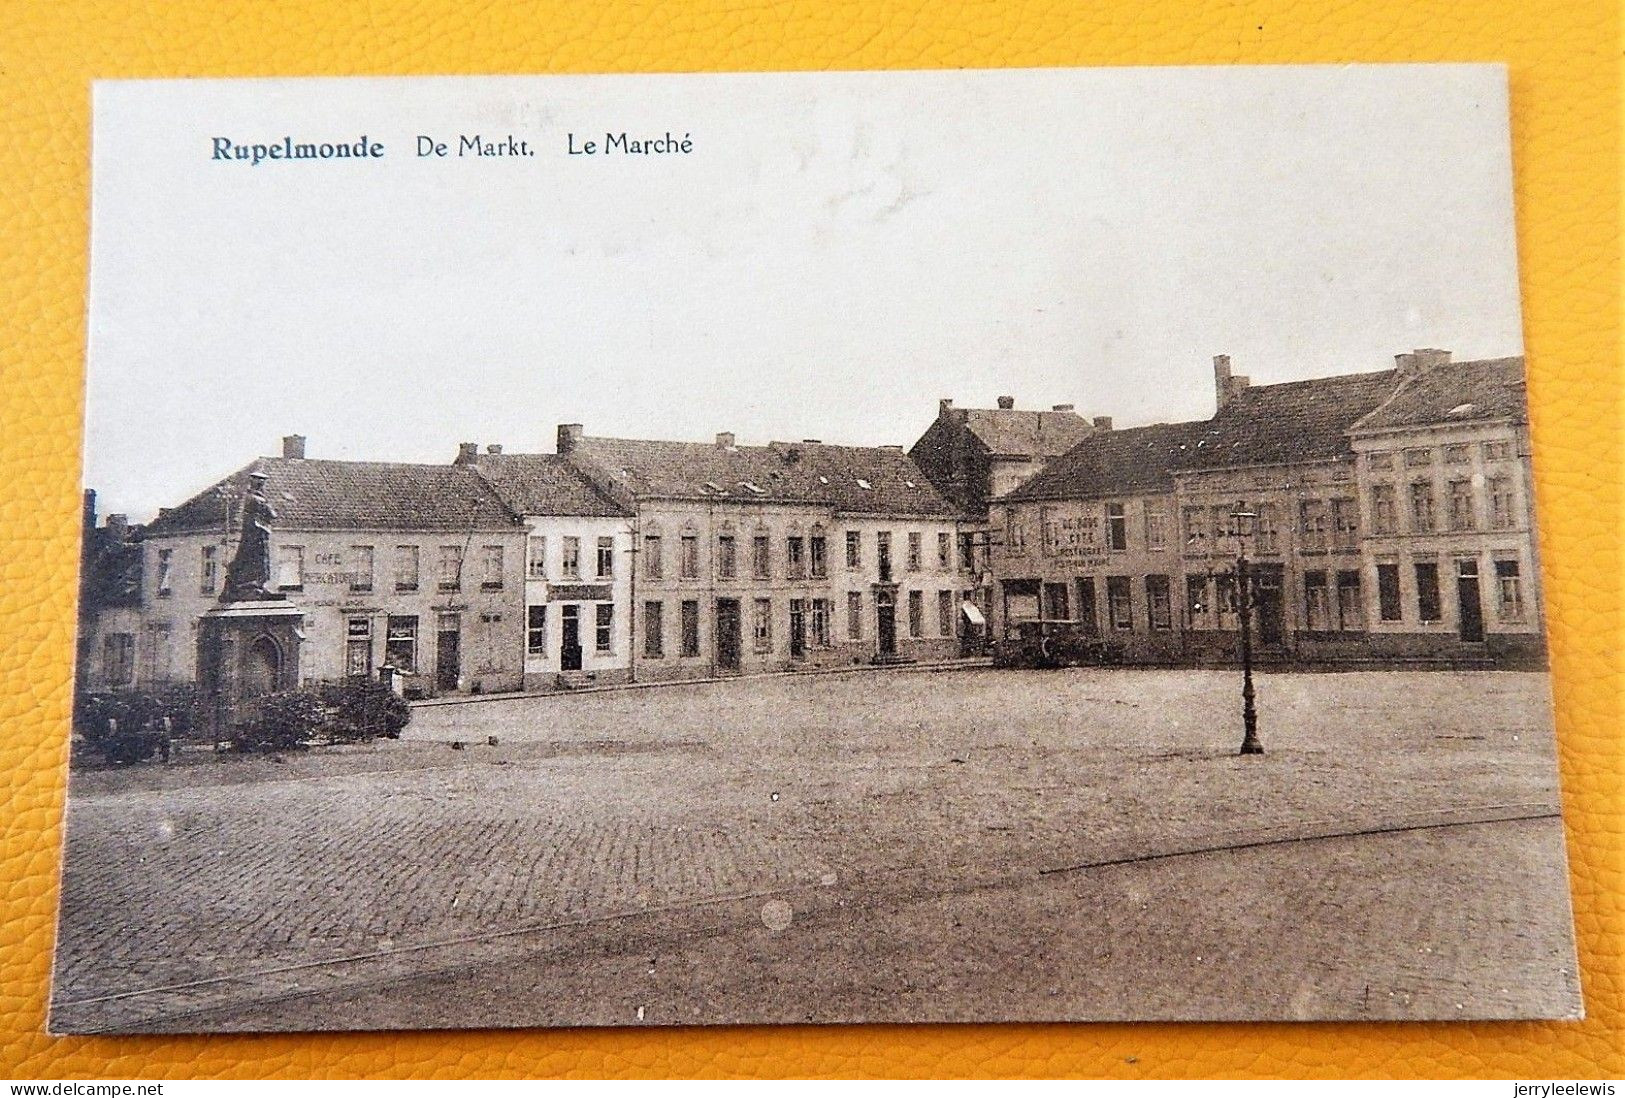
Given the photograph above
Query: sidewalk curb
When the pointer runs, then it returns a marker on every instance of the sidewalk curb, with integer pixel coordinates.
(973, 663)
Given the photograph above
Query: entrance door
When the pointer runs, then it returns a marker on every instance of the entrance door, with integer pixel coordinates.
(570, 645)
(1055, 602)
(1086, 606)
(886, 622)
(728, 634)
(448, 651)
(1471, 619)
(798, 628)
(1269, 603)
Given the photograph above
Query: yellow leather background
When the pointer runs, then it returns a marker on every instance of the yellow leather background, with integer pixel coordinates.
(1564, 62)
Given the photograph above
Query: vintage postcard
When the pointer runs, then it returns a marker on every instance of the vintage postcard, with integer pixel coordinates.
(857, 547)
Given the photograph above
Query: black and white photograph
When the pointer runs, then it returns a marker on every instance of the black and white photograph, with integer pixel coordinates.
(781, 548)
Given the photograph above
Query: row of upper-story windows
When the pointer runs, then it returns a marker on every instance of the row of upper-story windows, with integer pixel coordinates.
(804, 556)
(574, 561)
(355, 568)
(1455, 453)
(1464, 507)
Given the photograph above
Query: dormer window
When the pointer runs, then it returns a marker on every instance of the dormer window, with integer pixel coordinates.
(749, 487)
(865, 485)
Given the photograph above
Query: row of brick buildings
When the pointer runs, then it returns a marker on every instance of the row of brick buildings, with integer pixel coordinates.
(1387, 516)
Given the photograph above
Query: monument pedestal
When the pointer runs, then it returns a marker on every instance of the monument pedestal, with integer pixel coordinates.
(245, 651)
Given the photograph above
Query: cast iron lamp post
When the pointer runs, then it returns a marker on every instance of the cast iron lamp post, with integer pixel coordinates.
(1242, 528)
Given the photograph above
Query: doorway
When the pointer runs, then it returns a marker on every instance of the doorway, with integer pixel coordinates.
(1471, 618)
(798, 628)
(728, 634)
(262, 669)
(886, 622)
(570, 641)
(1269, 602)
(1086, 606)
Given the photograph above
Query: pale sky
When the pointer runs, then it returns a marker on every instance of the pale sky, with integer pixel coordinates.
(837, 252)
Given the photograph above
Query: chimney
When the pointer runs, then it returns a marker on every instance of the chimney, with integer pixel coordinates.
(1225, 384)
(1103, 423)
(467, 453)
(1007, 403)
(945, 405)
(894, 447)
(119, 526)
(813, 441)
(725, 440)
(1063, 407)
(569, 437)
(293, 446)
(494, 448)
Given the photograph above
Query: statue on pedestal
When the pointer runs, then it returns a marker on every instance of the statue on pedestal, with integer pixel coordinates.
(248, 576)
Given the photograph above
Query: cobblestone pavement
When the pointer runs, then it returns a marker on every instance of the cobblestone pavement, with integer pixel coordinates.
(228, 879)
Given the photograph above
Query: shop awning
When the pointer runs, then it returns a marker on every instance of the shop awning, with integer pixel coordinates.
(973, 613)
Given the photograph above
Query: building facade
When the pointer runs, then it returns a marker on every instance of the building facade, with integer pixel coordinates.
(790, 556)
(417, 567)
(1385, 517)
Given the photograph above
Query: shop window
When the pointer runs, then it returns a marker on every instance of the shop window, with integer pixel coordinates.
(1388, 604)
(1116, 528)
(358, 647)
(654, 631)
(1119, 602)
(1350, 612)
(1501, 503)
(690, 628)
(1159, 608)
(604, 628)
(361, 567)
(401, 643)
(536, 558)
(1461, 505)
(820, 623)
(1422, 507)
(118, 658)
(653, 566)
(570, 558)
(854, 615)
(1317, 604)
(606, 558)
(290, 568)
(916, 613)
(1196, 601)
(406, 568)
(727, 557)
(536, 631)
(451, 567)
(1427, 591)
(208, 570)
(1509, 591)
(688, 557)
(762, 632)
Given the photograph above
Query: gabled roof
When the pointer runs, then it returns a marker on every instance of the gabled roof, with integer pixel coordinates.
(544, 484)
(1459, 392)
(1129, 461)
(1298, 421)
(350, 495)
(853, 479)
(112, 569)
(1016, 432)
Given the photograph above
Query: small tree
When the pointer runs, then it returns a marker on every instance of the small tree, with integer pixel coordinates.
(282, 721)
(363, 710)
